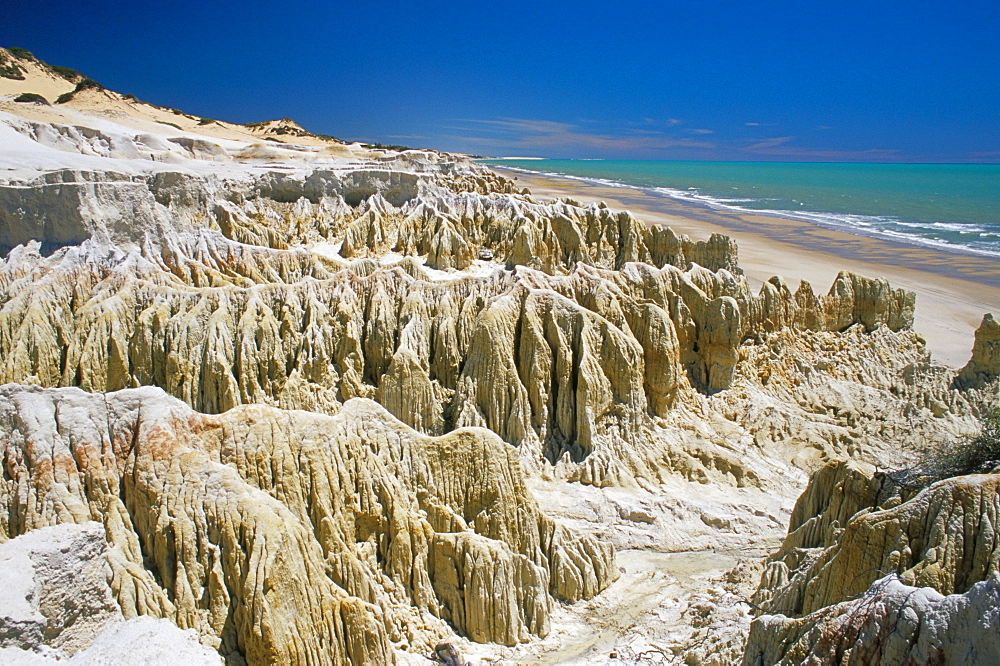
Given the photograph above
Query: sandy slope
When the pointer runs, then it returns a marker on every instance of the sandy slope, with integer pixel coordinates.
(127, 111)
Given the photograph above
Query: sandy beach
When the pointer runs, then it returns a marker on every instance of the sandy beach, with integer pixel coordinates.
(953, 290)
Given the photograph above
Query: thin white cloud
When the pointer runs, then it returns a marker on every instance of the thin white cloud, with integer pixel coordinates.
(535, 135)
(778, 147)
(523, 126)
(770, 143)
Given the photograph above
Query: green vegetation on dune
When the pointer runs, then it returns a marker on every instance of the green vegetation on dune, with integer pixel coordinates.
(379, 146)
(31, 97)
(287, 126)
(88, 84)
(21, 54)
(67, 73)
(11, 70)
(85, 84)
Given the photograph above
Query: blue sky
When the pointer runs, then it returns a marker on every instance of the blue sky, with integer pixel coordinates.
(765, 80)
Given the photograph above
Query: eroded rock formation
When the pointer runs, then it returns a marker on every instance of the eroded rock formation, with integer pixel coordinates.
(561, 361)
(290, 307)
(824, 591)
(891, 623)
(984, 366)
(56, 606)
(290, 536)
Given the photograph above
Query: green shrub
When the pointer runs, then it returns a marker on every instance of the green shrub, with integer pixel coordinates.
(88, 84)
(979, 455)
(31, 97)
(379, 146)
(84, 84)
(206, 121)
(11, 71)
(21, 54)
(66, 72)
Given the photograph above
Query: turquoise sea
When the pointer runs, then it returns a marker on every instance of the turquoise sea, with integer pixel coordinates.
(950, 206)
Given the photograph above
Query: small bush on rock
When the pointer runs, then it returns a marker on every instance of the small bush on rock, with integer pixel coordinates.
(979, 455)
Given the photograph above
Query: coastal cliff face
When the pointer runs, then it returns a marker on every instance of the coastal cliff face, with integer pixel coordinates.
(323, 404)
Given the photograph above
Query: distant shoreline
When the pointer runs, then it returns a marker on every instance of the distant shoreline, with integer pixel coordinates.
(953, 290)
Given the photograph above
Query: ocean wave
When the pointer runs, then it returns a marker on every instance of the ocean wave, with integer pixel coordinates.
(941, 243)
(865, 225)
(692, 194)
(556, 174)
(948, 226)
